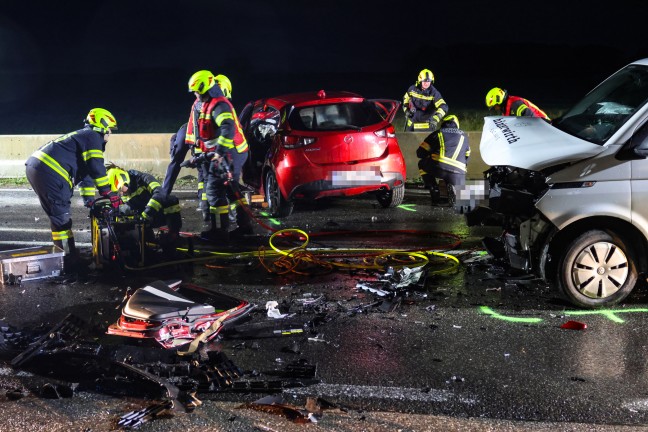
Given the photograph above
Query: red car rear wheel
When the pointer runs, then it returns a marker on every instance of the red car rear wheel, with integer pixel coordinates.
(391, 198)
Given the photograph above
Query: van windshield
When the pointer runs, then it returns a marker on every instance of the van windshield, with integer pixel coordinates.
(606, 108)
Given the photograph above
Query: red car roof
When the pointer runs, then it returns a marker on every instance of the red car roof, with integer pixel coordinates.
(315, 98)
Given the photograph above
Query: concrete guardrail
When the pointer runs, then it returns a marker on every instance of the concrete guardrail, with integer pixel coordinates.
(150, 153)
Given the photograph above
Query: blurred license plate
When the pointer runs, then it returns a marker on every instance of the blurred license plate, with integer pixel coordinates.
(356, 177)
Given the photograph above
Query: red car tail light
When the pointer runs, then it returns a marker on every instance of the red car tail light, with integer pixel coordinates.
(388, 132)
(291, 142)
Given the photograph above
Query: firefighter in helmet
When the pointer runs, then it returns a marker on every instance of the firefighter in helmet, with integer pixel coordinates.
(215, 128)
(178, 150)
(423, 104)
(76, 158)
(142, 194)
(498, 100)
(444, 155)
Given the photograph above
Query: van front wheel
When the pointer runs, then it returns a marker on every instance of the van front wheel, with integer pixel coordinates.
(597, 269)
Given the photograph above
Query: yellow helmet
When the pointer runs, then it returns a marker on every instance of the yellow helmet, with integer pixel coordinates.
(225, 85)
(425, 75)
(201, 81)
(117, 178)
(451, 118)
(495, 96)
(101, 120)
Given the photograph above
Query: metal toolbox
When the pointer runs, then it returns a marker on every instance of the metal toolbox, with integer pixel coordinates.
(32, 263)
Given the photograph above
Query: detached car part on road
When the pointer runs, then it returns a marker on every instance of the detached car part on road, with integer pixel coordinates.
(174, 314)
(571, 195)
(317, 144)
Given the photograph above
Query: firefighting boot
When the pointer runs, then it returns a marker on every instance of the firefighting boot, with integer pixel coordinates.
(232, 214)
(204, 208)
(169, 243)
(72, 261)
(243, 222)
(435, 195)
(219, 229)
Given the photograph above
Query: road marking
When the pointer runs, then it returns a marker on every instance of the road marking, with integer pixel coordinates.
(37, 243)
(636, 405)
(379, 392)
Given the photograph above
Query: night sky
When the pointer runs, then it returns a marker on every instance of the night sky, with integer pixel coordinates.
(135, 57)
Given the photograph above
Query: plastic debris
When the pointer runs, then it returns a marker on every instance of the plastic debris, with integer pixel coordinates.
(574, 325)
(273, 311)
(318, 338)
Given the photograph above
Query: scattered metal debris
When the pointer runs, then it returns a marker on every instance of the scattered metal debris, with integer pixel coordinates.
(277, 405)
(69, 351)
(135, 419)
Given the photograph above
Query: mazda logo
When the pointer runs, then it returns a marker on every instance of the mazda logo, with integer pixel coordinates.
(348, 139)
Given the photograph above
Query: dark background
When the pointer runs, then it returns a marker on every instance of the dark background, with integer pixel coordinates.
(134, 57)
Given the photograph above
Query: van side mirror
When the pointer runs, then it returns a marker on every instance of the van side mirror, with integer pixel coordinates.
(631, 153)
(637, 146)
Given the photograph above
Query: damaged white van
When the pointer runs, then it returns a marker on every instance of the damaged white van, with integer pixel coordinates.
(572, 196)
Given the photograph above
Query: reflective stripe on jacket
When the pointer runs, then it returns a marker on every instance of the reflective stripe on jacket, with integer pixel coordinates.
(213, 116)
(517, 106)
(75, 156)
(449, 147)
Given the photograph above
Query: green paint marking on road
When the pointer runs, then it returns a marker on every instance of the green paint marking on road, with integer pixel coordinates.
(488, 311)
(407, 207)
(610, 314)
(272, 220)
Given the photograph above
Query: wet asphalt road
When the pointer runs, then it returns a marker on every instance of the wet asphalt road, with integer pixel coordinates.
(476, 343)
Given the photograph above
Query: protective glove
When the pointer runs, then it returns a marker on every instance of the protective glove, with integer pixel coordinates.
(145, 215)
(88, 201)
(125, 210)
(211, 144)
(412, 110)
(188, 163)
(115, 200)
(434, 124)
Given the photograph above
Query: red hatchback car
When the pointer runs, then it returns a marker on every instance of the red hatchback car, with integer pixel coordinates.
(318, 144)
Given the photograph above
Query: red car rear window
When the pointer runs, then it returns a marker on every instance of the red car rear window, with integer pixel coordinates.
(337, 116)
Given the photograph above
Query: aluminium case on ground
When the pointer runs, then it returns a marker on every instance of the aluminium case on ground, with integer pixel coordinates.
(31, 263)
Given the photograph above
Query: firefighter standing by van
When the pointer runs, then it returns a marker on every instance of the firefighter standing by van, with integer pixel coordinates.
(423, 104)
(444, 155)
(215, 128)
(54, 169)
(504, 104)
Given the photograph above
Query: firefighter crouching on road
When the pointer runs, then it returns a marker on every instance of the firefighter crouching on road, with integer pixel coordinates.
(215, 128)
(423, 104)
(502, 103)
(178, 151)
(444, 155)
(75, 158)
(142, 194)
